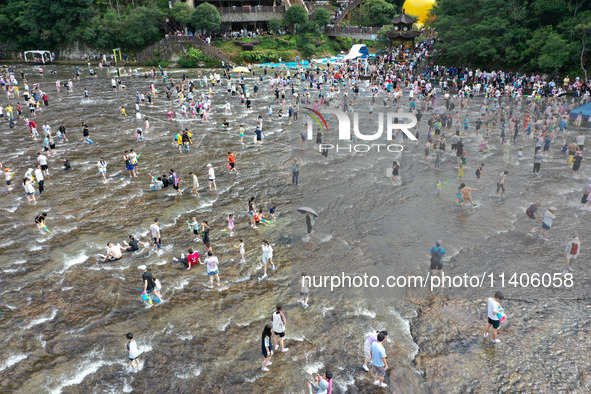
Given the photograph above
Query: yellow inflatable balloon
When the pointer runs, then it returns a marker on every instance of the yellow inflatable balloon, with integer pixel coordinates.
(419, 8)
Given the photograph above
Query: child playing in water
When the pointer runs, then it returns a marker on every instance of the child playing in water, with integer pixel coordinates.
(241, 251)
(131, 347)
(231, 224)
(194, 225)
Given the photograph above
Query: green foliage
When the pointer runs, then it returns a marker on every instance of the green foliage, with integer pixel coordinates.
(308, 49)
(206, 17)
(39, 24)
(380, 12)
(296, 15)
(196, 58)
(280, 42)
(181, 12)
(373, 13)
(533, 36)
(262, 56)
(322, 16)
(275, 24)
(141, 28)
(345, 42)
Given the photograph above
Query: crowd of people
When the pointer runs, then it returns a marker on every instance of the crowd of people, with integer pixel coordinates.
(516, 111)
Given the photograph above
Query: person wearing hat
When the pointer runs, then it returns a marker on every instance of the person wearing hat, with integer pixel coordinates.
(437, 254)
(549, 217)
(211, 177)
(571, 252)
(493, 320)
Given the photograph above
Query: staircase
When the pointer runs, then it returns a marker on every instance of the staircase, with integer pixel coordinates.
(346, 11)
(169, 44)
(290, 3)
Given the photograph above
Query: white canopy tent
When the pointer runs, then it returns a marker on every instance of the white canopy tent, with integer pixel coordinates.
(45, 55)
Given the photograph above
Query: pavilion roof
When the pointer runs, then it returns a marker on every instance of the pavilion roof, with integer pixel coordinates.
(404, 19)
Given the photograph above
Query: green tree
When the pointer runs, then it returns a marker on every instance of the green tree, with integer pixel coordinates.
(380, 12)
(322, 16)
(145, 20)
(181, 12)
(274, 24)
(537, 36)
(206, 17)
(49, 24)
(296, 15)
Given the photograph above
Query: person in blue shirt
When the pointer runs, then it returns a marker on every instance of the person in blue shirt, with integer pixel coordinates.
(437, 254)
(378, 359)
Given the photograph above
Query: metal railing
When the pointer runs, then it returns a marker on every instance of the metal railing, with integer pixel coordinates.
(351, 30)
(251, 9)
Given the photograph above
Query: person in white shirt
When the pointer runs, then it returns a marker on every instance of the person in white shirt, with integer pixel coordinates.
(267, 257)
(211, 177)
(195, 184)
(571, 252)
(113, 252)
(501, 182)
(39, 178)
(580, 141)
(494, 308)
(549, 217)
(131, 347)
(102, 167)
(279, 322)
(29, 190)
(211, 263)
(155, 233)
(42, 160)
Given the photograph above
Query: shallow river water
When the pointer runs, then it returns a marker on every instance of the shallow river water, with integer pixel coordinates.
(64, 314)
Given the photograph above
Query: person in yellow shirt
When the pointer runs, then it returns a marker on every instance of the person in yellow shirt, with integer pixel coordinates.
(179, 139)
(123, 113)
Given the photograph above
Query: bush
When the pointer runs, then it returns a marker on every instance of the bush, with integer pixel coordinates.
(308, 50)
(274, 24)
(156, 63)
(264, 56)
(186, 62)
(196, 58)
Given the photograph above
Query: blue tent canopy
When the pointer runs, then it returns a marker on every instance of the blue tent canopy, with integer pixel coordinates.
(585, 109)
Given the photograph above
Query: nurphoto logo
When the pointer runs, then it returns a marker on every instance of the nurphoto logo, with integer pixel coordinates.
(402, 121)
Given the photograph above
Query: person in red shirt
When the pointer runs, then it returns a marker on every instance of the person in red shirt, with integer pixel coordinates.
(232, 162)
(190, 260)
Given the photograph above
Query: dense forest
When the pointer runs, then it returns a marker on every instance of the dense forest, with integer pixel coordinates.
(547, 36)
(100, 24)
